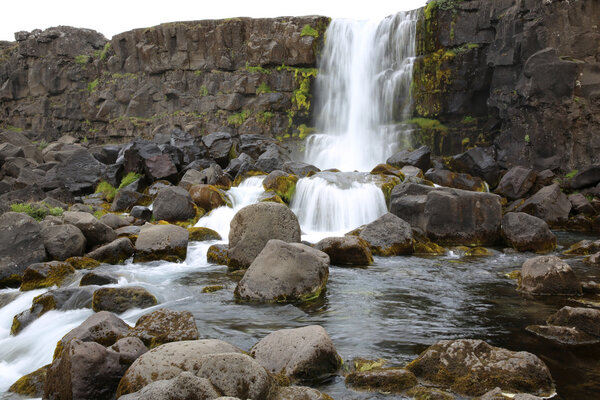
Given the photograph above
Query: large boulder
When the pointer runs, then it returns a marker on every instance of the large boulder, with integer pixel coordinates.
(173, 204)
(473, 367)
(285, 272)
(549, 204)
(516, 183)
(79, 171)
(161, 242)
(388, 235)
(273, 158)
(300, 354)
(299, 168)
(161, 166)
(121, 299)
(95, 232)
(168, 361)
(42, 275)
(346, 250)
(585, 319)
(127, 198)
(589, 176)
(478, 162)
(388, 380)
(208, 197)
(21, 244)
(253, 226)
(164, 326)
(525, 232)
(219, 145)
(546, 275)
(420, 158)
(281, 183)
(115, 252)
(456, 180)
(184, 386)
(88, 370)
(63, 241)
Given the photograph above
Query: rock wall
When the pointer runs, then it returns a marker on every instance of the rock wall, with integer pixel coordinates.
(519, 76)
(239, 75)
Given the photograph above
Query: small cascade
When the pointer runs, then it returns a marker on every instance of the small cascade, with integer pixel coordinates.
(362, 88)
(330, 204)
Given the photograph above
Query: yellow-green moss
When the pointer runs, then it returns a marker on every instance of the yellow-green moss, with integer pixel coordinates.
(238, 119)
(308, 30)
(108, 191)
(82, 262)
(362, 364)
(284, 186)
(217, 255)
(56, 274)
(32, 384)
(478, 252)
(212, 288)
(383, 380)
(199, 234)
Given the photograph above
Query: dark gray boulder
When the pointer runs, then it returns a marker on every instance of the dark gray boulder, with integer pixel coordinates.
(478, 162)
(388, 235)
(589, 176)
(97, 279)
(585, 319)
(420, 158)
(79, 171)
(63, 241)
(161, 242)
(525, 232)
(549, 204)
(173, 204)
(126, 199)
(516, 183)
(346, 250)
(219, 145)
(456, 180)
(141, 212)
(114, 221)
(115, 252)
(581, 205)
(95, 232)
(121, 299)
(299, 168)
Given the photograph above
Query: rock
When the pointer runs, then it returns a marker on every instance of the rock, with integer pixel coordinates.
(411, 172)
(93, 278)
(161, 242)
(21, 244)
(8, 150)
(563, 335)
(549, 204)
(473, 367)
(516, 183)
(282, 184)
(164, 326)
(170, 360)
(346, 250)
(32, 384)
(284, 272)
(79, 171)
(47, 274)
(63, 241)
(429, 393)
(583, 248)
(141, 212)
(88, 370)
(103, 327)
(114, 221)
(126, 199)
(208, 197)
(121, 299)
(214, 175)
(388, 235)
(420, 158)
(545, 275)
(273, 158)
(161, 166)
(173, 204)
(587, 320)
(219, 145)
(200, 234)
(217, 254)
(581, 205)
(190, 178)
(300, 169)
(95, 232)
(525, 232)
(589, 176)
(82, 262)
(477, 162)
(185, 386)
(156, 187)
(115, 252)
(498, 394)
(253, 226)
(305, 353)
(455, 180)
(388, 380)
(593, 259)
(295, 393)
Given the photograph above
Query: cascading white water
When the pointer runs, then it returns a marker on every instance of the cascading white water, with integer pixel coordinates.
(331, 204)
(362, 87)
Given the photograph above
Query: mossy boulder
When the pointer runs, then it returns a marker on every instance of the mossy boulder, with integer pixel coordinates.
(282, 184)
(422, 245)
(44, 275)
(346, 250)
(583, 248)
(384, 380)
(387, 169)
(217, 254)
(161, 242)
(121, 299)
(200, 234)
(164, 326)
(212, 288)
(82, 262)
(32, 384)
(478, 252)
(388, 235)
(208, 197)
(115, 252)
(272, 197)
(429, 393)
(473, 367)
(456, 180)
(563, 335)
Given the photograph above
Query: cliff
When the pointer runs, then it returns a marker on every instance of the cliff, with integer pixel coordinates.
(239, 75)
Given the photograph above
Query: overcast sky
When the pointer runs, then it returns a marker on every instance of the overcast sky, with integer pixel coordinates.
(114, 16)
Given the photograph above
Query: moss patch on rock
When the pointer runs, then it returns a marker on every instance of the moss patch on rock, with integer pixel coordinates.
(200, 234)
(82, 262)
(32, 384)
(45, 275)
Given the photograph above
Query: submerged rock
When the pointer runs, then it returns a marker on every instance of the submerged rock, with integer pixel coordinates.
(585, 247)
(525, 232)
(385, 380)
(300, 354)
(548, 275)
(473, 367)
(563, 334)
(388, 235)
(585, 319)
(121, 299)
(346, 250)
(285, 272)
(164, 326)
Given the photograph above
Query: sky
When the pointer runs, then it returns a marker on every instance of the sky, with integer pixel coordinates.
(115, 16)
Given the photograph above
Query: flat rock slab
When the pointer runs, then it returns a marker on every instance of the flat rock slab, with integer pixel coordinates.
(563, 334)
(121, 299)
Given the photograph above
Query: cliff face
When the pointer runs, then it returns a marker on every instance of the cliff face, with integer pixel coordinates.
(520, 76)
(240, 76)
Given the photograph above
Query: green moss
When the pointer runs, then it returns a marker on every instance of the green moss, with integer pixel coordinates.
(32, 384)
(129, 179)
(430, 131)
(478, 252)
(264, 117)
(383, 380)
(217, 255)
(36, 211)
(14, 128)
(431, 77)
(304, 131)
(203, 91)
(308, 30)
(104, 52)
(82, 59)
(91, 87)
(283, 186)
(199, 234)
(571, 174)
(55, 276)
(257, 68)
(239, 118)
(108, 191)
(212, 288)
(263, 88)
(82, 262)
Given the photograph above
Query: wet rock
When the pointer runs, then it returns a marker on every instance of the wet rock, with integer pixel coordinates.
(200, 234)
(217, 254)
(82, 262)
(208, 197)
(525, 232)
(21, 244)
(478, 162)
(581, 205)
(296, 393)
(114, 221)
(473, 367)
(173, 204)
(47, 274)
(498, 394)
(586, 320)
(121, 299)
(185, 386)
(115, 252)
(63, 241)
(585, 247)
(386, 380)
(161, 242)
(516, 183)
(589, 176)
(126, 199)
(93, 278)
(429, 393)
(32, 384)
(420, 158)
(164, 326)
(170, 360)
(305, 353)
(300, 169)
(346, 250)
(549, 204)
(253, 226)
(388, 235)
(281, 183)
(593, 259)
(563, 334)
(141, 212)
(95, 232)
(545, 275)
(88, 370)
(219, 145)
(455, 180)
(284, 272)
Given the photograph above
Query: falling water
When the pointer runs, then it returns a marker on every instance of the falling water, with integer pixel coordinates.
(362, 88)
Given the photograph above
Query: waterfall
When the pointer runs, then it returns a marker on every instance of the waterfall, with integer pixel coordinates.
(362, 88)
